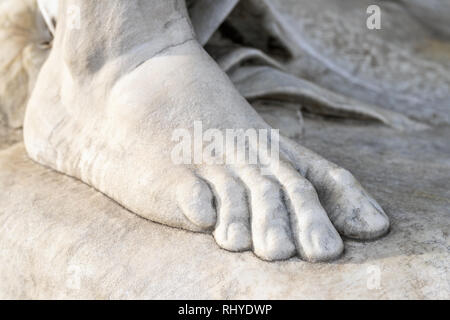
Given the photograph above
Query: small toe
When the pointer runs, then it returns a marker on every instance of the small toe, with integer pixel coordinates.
(232, 230)
(196, 201)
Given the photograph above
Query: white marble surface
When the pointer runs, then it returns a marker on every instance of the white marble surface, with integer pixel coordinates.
(60, 238)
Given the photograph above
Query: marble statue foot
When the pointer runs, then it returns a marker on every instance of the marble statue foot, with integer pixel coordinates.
(106, 105)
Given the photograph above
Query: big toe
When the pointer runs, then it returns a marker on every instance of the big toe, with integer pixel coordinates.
(363, 220)
(353, 211)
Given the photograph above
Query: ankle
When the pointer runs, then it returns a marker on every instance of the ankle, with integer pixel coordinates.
(107, 30)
